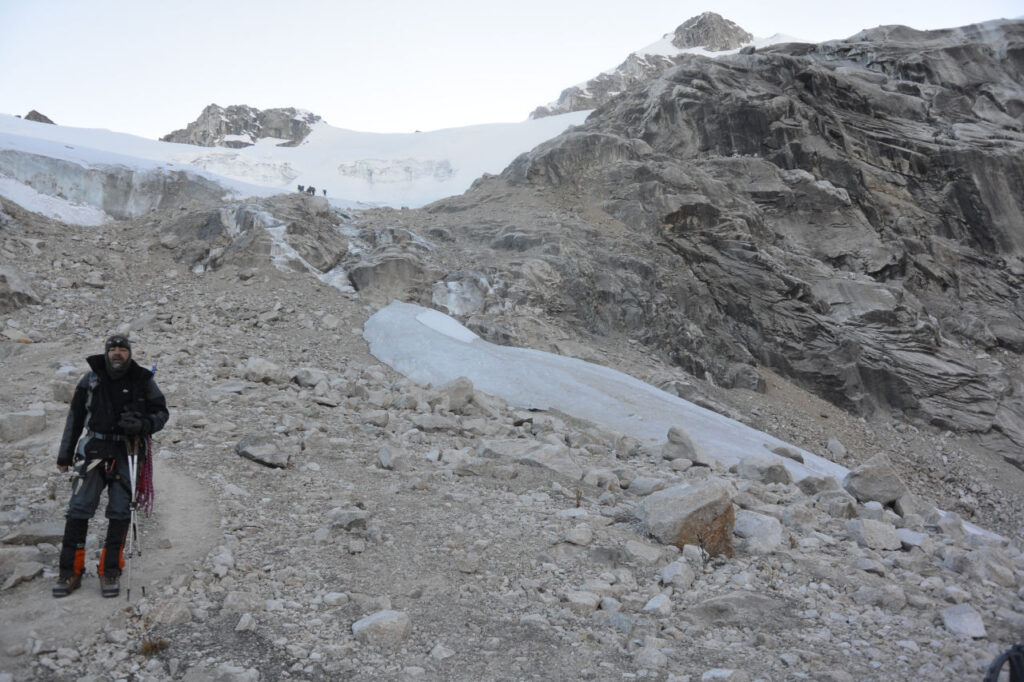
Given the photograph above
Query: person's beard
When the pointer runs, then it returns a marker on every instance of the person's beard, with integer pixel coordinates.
(116, 372)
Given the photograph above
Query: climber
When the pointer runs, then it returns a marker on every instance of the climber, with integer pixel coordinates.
(118, 403)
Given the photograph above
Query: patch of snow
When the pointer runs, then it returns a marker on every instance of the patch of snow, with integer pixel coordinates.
(433, 348)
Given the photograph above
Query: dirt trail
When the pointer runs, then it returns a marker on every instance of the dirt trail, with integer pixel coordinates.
(184, 527)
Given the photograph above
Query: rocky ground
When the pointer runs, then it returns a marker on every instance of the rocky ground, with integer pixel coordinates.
(402, 540)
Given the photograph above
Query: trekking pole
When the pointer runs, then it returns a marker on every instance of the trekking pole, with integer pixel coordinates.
(133, 461)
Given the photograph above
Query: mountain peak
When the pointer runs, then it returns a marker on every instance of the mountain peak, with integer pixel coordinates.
(240, 125)
(712, 32)
(707, 33)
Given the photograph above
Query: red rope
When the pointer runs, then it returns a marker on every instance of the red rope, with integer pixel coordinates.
(144, 485)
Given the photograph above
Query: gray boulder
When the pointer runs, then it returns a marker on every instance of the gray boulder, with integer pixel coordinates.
(384, 628)
(764, 469)
(679, 445)
(873, 534)
(15, 290)
(875, 480)
(15, 426)
(700, 514)
(962, 619)
(263, 450)
(759, 533)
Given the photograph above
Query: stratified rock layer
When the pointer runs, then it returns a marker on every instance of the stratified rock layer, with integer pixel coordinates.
(847, 213)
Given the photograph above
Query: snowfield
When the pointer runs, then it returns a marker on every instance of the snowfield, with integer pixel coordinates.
(356, 169)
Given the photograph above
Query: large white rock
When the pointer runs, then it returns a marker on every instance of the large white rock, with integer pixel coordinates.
(15, 426)
(873, 534)
(384, 628)
(678, 574)
(759, 533)
(262, 371)
(962, 619)
(557, 458)
(876, 480)
(659, 605)
(985, 563)
(583, 601)
(764, 469)
(309, 377)
(679, 445)
(457, 394)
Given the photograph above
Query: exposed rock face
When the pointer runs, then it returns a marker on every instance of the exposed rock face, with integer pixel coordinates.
(712, 32)
(37, 117)
(847, 213)
(708, 30)
(240, 126)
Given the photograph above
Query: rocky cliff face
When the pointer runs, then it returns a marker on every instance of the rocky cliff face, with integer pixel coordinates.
(240, 126)
(708, 30)
(848, 214)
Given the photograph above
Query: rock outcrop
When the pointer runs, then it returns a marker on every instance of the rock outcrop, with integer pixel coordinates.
(847, 213)
(707, 31)
(240, 126)
(38, 117)
(712, 32)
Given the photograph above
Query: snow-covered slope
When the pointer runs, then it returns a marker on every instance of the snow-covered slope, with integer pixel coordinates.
(54, 162)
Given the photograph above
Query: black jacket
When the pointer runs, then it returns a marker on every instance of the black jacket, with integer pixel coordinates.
(100, 400)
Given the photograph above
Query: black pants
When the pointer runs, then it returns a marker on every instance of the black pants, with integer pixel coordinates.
(111, 473)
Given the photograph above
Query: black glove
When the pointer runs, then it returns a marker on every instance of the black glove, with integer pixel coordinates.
(134, 424)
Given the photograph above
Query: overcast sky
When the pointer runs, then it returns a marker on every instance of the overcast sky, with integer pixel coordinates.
(148, 68)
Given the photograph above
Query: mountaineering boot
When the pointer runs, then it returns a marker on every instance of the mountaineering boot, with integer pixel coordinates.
(72, 557)
(112, 557)
(110, 584)
(66, 584)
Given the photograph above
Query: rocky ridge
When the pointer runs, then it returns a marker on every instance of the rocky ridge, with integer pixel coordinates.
(330, 518)
(239, 126)
(708, 31)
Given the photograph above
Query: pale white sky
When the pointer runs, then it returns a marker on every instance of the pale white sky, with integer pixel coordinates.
(148, 68)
